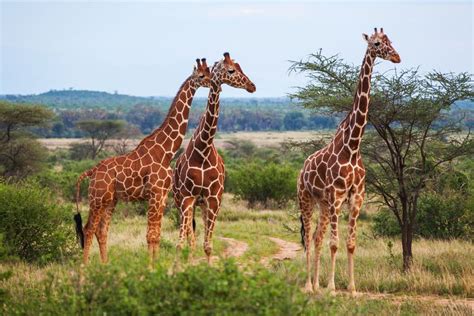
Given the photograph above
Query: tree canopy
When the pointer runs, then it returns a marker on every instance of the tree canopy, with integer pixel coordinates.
(99, 132)
(20, 153)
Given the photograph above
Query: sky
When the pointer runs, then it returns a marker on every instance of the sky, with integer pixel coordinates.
(149, 48)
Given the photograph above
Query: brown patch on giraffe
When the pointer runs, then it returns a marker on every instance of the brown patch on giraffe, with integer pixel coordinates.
(120, 160)
(343, 156)
(335, 171)
(356, 131)
(353, 159)
(351, 249)
(363, 104)
(366, 69)
(332, 160)
(321, 169)
(318, 182)
(365, 84)
(360, 119)
(354, 143)
(339, 183)
(351, 121)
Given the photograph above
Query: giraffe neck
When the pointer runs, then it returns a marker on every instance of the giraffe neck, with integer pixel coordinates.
(355, 122)
(204, 134)
(171, 132)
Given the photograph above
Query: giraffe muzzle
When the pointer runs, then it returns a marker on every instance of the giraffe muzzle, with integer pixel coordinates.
(395, 59)
(251, 88)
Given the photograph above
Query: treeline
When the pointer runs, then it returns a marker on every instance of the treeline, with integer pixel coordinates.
(147, 118)
(147, 113)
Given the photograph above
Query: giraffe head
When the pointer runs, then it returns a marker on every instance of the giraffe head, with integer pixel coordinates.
(201, 74)
(228, 72)
(380, 46)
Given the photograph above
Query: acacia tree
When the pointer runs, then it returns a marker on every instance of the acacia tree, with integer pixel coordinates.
(99, 132)
(20, 153)
(409, 137)
(124, 139)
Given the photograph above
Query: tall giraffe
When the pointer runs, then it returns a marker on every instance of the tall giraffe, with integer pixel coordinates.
(335, 174)
(142, 174)
(198, 178)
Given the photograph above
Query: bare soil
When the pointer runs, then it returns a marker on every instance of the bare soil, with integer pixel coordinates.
(288, 250)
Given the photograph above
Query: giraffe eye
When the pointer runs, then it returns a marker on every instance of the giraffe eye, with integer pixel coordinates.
(377, 44)
(231, 71)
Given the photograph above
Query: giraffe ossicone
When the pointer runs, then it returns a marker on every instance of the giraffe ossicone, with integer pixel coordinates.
(198, 178)
(335, 174)
(142, 174)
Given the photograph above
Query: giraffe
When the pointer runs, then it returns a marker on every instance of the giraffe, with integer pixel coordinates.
(335, 174)
(142, 174)
(198, 179)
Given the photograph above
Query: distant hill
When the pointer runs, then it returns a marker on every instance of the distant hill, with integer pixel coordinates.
(68, 99)
(86, 99)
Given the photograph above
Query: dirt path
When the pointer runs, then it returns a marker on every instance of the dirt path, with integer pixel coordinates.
(288, 250)
(234, 249)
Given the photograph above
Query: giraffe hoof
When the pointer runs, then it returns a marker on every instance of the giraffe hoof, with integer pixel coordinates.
(332, 292)
(317, 289)
(308, 288)
(352, 291)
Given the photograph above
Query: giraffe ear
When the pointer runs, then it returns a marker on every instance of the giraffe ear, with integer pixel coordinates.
(365, 36)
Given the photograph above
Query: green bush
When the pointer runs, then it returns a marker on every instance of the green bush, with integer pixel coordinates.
(445, 217)
(445, 210)
(385, 224)
(128, 288)
(63, 182)
(438, 216)
(35, 228)
(80, 151)
(264, 182)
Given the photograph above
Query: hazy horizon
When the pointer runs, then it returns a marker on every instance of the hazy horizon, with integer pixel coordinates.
(148, 48)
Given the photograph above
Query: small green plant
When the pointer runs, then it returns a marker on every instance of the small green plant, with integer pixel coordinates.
(391, 256)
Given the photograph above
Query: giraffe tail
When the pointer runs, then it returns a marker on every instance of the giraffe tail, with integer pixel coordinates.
(77, 216)
(302, 232)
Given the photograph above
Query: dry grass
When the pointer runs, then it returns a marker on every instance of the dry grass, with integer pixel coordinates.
(267, 139)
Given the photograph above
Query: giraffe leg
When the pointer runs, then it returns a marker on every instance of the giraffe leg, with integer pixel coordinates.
(334, 208)
(213, 207)
(89, 230)
(355, 203)
(156, 208)
(318, 242)
(306, 205)
(102, 233)
(190, 236)
(186, 215)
